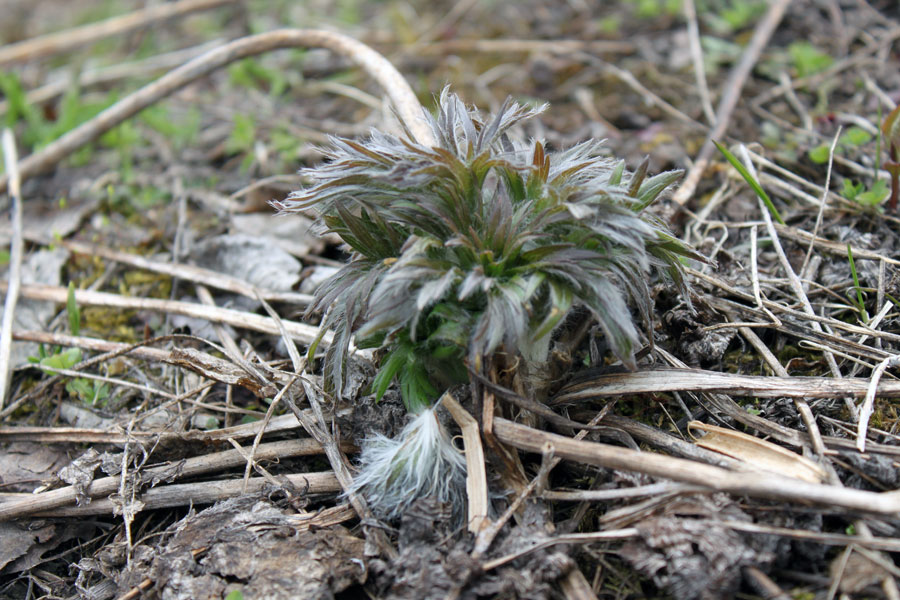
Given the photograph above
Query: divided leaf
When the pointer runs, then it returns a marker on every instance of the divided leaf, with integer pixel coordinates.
(481, 244)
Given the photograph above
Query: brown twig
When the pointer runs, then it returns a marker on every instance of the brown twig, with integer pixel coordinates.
(106, 75)
(204, 492)
(20, 505)
(299, 331)
(476, 474)
(757, 485)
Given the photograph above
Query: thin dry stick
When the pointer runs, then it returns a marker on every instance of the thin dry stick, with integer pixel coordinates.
(631, 81)
(805, 412)
(69, 39)
(15, 262)
(797, 287)
(253, 464)
(379, 68)
(698, 380)
(651, 489)
(204, 492)
(194, 274)
(302, 332)
(867, 408)
(837, 248)
(754, 278)
(482, 46)
(690, 15)
(202, 363)
(824, 200)
(231, 347)
(476, 475)
(266, 420)
(730, 95)
(104, 379)
(597, 536)
(319, 431)
(488, 534)
(19, 505)
(754, 484)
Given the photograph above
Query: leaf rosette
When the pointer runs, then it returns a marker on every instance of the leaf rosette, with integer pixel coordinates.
(479, 244)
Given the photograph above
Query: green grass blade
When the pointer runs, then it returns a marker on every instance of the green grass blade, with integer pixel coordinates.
(750, 181)
(73, 311)
(863, 313)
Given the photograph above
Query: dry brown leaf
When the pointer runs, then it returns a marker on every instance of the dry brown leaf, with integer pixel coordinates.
(757, 453)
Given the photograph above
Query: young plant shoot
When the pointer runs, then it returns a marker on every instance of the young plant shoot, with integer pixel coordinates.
(476, 246)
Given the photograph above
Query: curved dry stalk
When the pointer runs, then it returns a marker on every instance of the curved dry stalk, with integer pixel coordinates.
(379, 68)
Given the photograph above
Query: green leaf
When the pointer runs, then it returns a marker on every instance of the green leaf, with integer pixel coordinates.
(653, 187)
(819, 154)
(750, 181)
(851, 189)
(855, 136)
(808, 60)
(235, 595)
(61, 360)
(480, 244)
(874, 195)
(390, 366)
(615, 178)
(243, 135)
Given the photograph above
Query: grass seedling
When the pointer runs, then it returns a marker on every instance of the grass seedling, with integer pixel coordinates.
(87, 390)
(860, 303)
(475, 247)
(751, 181)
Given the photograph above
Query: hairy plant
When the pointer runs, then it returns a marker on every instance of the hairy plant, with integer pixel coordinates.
(480, 244)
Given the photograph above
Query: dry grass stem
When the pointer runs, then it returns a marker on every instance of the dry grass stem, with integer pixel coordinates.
(206, 492)
(19, 505)
(302, 332)
(78, 435)
(756, 485)
(15, 260)
(476, 474)
(698, 380)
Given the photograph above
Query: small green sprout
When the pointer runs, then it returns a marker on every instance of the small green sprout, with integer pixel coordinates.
(751, 181)
(87, 390)
(860, 303)
(808, 60)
